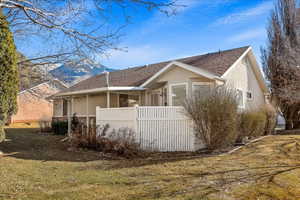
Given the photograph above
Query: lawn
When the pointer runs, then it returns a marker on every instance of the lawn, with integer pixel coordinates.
(38, 166)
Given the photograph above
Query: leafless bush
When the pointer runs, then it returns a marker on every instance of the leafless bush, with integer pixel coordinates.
(271, 119)
(119, 142)
(215, 116)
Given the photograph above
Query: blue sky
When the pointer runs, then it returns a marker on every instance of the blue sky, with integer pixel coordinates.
(200, 27)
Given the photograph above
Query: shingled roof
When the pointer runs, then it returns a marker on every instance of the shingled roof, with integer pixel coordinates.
(216, 63)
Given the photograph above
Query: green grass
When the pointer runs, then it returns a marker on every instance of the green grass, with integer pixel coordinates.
(38, 166)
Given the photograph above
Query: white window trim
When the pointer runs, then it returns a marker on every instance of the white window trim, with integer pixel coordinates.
(170, 91)
(249, 99)
(200, 83)
(243, 95)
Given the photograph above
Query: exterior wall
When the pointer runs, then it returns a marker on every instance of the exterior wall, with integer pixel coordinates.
(242, 77)
(175, 75)
(80, 104)
(32, 108)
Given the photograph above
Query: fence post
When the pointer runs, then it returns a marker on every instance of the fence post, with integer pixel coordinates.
(136, 107)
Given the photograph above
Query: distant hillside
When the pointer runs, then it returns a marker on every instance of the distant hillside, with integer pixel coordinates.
(72, 73)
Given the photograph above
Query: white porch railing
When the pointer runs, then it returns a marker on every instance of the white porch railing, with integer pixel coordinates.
(157, 128)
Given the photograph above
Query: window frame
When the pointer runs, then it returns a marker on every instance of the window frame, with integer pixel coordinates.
(176, 84)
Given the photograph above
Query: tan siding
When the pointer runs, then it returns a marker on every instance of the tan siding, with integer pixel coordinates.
(80, 105)
(243, 77)
(96, 100)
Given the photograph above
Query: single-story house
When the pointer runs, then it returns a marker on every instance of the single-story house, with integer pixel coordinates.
(33, 105)
(164, 84)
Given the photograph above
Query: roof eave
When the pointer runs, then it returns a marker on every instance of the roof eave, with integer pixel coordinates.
(95, 90)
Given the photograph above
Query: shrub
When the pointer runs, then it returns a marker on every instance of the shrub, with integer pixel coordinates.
(215, 116)
(271, 119)
(252, 124)
(119, 142)
(59, 127)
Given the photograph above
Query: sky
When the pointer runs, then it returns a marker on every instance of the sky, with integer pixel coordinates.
(200, 27)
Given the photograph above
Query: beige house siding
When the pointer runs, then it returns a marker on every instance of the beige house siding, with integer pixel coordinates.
(173, 76)
(242, 77)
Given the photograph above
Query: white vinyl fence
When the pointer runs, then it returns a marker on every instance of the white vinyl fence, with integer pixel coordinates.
(162, 129)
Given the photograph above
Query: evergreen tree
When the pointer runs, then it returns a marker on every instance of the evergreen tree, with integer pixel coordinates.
(8, 74)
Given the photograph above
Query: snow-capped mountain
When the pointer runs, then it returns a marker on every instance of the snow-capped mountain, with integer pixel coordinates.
(72, 73)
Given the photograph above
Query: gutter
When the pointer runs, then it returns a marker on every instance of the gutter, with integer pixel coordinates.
(103, 89)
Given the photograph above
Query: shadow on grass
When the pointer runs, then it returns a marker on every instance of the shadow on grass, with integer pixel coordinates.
(30, 144)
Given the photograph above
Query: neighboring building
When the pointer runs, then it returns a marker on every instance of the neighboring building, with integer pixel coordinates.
(166, 84)
(33, 105)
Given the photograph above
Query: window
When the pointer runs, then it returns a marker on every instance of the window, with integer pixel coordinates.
(240, 97)
(133, 100)
(65, 107)
(201, 88)
(126, 100)
(249, 95)
(178, 93)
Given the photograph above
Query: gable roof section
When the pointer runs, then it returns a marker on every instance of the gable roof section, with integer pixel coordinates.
(216, 64)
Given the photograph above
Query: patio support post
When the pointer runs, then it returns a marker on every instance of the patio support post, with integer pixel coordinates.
(108, 99)
(69, 116)
(87, 111)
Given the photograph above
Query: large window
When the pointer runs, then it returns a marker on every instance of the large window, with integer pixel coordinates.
(126, 100)
(201, 88)
(178, 93)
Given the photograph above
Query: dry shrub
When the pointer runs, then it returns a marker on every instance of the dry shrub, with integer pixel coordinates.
(271, 116)
(215, 116)
(119, 142)
(252, 124)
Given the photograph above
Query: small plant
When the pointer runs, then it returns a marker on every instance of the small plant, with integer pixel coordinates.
(215, 115)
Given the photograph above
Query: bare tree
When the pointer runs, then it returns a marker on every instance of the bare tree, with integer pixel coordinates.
(281, 60)
(73, 29)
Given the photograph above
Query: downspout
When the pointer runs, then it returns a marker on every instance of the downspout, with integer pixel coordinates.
(108, 92)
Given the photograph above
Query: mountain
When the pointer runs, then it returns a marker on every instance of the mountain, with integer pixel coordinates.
(72, 73)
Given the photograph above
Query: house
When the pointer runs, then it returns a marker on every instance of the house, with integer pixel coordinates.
(33, 105)
(164, 84)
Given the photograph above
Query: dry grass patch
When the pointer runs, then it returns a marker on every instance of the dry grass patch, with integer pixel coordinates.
(37, 166)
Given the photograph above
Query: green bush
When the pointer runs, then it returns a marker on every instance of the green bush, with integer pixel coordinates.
(215, 116)
(252, 124)
(59, 127)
